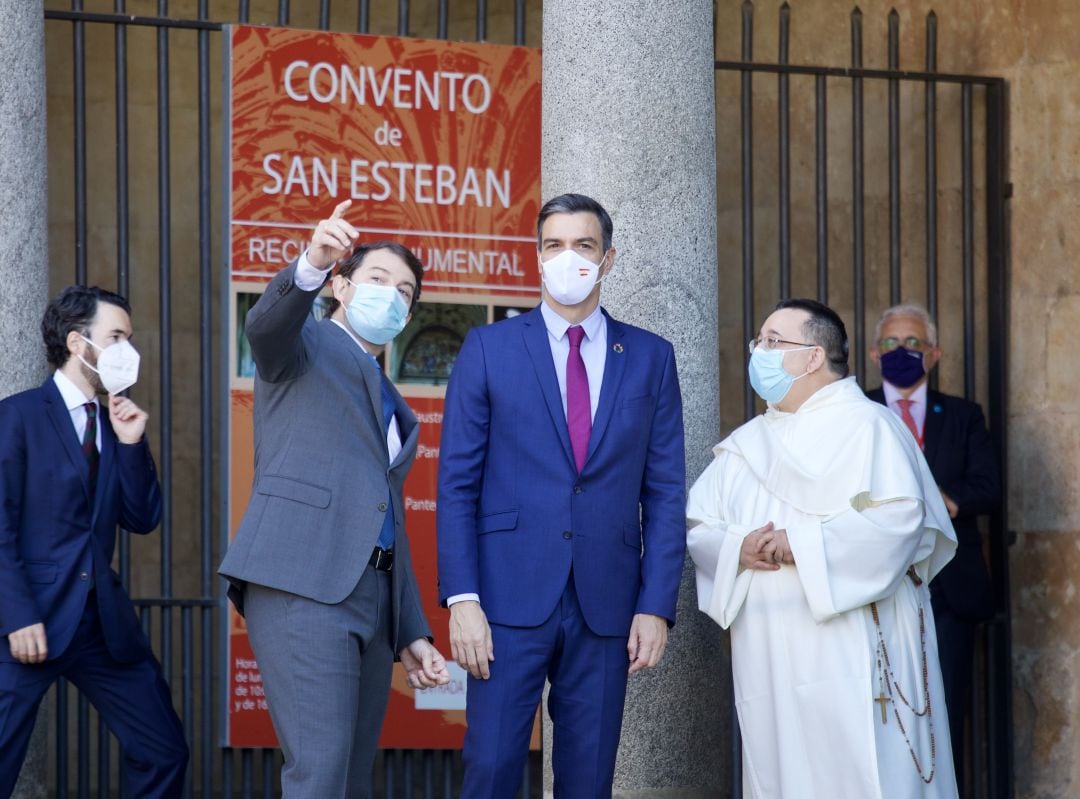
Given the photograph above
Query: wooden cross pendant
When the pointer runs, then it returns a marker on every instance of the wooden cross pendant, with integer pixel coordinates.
(883, 700)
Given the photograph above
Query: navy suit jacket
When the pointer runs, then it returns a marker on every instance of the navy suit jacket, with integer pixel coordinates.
(514, 515)
(962, 459)
(52, 536)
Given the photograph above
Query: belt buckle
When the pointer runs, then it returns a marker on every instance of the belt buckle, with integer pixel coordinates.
(384, 559)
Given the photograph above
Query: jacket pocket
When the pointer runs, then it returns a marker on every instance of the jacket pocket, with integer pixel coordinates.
(632, 536)
(493, 522)
(40, 571)
(288, 488)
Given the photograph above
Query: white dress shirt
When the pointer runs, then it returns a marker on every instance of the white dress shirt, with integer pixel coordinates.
(917, 408)
(593, 353)
(308, 278)
(74, 400)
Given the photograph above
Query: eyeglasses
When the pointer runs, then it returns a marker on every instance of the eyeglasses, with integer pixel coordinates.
(891, 343)
(771, 342)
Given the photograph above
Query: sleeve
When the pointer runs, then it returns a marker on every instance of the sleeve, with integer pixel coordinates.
(860, 555)
(978, 489)
(18, 608)
(274, 327)
(715, 545)
(462, 455)
(307, 277)
(140, 491)
(663, 501)
(412, 623)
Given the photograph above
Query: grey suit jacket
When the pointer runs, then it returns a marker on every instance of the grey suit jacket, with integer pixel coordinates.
(322, 471)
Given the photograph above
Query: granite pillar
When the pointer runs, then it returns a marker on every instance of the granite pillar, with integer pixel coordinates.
(629, 119)
(23, 243)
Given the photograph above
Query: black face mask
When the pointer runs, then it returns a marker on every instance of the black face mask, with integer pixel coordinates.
(903, 368)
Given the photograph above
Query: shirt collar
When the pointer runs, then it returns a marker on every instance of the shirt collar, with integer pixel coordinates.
(71, 394)
(354, 337)
(557, 325)
(892, 393)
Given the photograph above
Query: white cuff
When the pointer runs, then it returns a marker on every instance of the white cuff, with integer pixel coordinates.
(453, 600)
(307, 277)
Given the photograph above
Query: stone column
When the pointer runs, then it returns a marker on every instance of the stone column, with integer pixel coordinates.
(24, 275)
(629, 119)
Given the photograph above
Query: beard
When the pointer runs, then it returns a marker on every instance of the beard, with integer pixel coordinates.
(92, 377)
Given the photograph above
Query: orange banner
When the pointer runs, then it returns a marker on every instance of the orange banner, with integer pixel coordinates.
(438, 146)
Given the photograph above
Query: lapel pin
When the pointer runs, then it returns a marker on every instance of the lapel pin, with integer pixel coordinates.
(937, 408)
(617, 347)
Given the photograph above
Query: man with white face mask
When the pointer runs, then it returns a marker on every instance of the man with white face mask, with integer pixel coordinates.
(560, 515)
(320, 565)
(815, 532)
(74, 464)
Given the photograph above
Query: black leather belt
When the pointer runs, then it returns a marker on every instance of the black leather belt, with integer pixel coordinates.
(382, 559)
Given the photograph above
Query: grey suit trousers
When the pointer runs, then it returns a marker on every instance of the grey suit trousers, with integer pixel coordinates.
(327, 675)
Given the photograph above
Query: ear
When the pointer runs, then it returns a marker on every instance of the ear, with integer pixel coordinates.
(931, 357)
(817, 360)
(609, 264)
(875, 356)
(339, 285)
(74, 343)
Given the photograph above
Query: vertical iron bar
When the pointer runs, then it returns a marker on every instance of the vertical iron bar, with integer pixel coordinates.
(930, 114)
(227, 757)
(894, 161)
(206, 415)
(443, 30)
(79, 92)
(165, 325)
(187, 694)
(448, 774)
(324, 15)
(519, 22)
(968, 211)
(429, 774)
(243, 14)
(403, 18)
(388, 771)
(363, 17)
(83, 727)
(481, 20)
(999, 668)
(858, 211)
(103, 758)
(123, 214)
(821, 172)
(247, 758)
(747, 152)
(283, 13)
(526, 781)
(406, 757)
(784, 106)
(62, 736)
(268, 772)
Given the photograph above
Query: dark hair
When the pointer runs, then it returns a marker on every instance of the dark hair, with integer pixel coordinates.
(74, 308)
(574, 204)
(825, 328)
(353, 262)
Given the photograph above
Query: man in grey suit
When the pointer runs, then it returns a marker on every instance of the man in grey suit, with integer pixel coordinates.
(320, 566)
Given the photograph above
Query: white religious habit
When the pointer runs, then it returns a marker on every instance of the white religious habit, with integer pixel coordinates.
(837, 681)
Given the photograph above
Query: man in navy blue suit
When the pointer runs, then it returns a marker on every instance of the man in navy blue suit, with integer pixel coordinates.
(961, 456)
(561, 534)
(74, 463)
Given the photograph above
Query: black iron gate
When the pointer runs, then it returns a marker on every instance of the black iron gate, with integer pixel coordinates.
(165, 64)
(963, 284)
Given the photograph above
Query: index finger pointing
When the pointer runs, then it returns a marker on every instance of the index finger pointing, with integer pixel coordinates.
(341, 208)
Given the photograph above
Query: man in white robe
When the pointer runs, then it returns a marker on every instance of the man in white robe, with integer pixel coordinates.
(814, 518)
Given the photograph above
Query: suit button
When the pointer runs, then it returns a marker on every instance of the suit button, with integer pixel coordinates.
(578, 489)
(84, 576)
(382, 506)
(567, 535)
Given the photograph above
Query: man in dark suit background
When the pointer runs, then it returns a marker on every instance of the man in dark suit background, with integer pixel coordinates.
(320, 566)
(74, 463)
(561, 515)
(961, 456)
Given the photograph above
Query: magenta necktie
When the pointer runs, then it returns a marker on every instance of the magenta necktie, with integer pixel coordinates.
(578, 407)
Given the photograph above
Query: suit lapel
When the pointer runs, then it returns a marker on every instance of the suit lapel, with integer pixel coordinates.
(368, 371)
(935, 420)
(407, 427)
(614, 367)
(105, 462)
(536, 342)
(65, 431)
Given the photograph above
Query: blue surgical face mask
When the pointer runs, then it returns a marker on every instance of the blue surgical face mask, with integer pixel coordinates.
(903, 368)
(768, 376)
(376, 313)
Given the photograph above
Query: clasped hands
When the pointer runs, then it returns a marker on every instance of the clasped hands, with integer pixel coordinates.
(765, 549)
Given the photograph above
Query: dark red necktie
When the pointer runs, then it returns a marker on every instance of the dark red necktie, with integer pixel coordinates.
(89, 444)
(578, 406)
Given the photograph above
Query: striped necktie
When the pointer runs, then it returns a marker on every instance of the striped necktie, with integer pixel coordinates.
(386, 535)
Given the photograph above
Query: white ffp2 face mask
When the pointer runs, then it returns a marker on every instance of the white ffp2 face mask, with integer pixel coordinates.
(117, 365)
(569, 277)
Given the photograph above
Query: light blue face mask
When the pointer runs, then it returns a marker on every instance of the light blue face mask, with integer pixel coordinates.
(376, 313)
(768, 376)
